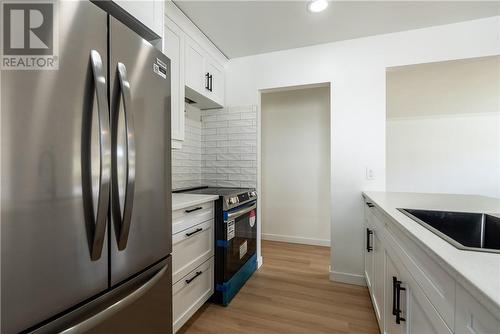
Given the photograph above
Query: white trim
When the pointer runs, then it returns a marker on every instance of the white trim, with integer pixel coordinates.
(260, 261)
(295, 240)
(348, 278)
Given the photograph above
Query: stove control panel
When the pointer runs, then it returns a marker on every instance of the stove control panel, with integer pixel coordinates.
(232, 201)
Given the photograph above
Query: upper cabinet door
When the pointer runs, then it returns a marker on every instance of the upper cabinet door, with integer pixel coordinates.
(149, 12)
(216, 81)
(195, 67)
(173, 47)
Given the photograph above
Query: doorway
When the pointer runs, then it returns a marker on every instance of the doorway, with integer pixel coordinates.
(295, 165)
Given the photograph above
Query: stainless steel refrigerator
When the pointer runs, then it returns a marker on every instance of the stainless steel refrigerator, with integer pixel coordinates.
(86, 190)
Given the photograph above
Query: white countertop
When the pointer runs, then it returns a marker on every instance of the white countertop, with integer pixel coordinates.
(183, 200)
(477, 271)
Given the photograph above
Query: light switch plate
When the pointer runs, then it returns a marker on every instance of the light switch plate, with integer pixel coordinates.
(370, 175)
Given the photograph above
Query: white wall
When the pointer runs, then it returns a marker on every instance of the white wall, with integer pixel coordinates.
(356, 71)
(443, 127)
(445, 154)
(295, 127)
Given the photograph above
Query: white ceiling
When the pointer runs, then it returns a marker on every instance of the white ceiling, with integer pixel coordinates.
(242, 28)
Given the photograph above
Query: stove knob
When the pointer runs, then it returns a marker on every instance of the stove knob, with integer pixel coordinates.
(233, 200)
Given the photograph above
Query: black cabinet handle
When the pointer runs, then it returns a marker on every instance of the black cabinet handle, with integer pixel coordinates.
(199, 229)
(370, 205)
(207, 81)
(192, 210)
(369, 232)
(198, 273)
(396, 299)
(211, 82)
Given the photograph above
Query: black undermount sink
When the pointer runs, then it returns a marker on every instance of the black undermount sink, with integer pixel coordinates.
(464, 230)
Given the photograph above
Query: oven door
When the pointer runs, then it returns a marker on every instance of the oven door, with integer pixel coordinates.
(241, 236)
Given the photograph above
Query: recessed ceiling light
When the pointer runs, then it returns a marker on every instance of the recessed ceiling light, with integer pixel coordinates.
(317, 6)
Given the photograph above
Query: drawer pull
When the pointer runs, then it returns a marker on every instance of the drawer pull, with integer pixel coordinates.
(198, 273)
(396, 299)
(199, 229)
(370, 205)
(192, 210)
(369, 247)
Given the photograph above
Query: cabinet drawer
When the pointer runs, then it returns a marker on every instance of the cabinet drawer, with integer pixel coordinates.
(191, 248)
(436, 283)
(183, 219)
(191, 292)
(473, 318)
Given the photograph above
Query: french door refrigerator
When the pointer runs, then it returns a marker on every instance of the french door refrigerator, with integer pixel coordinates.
(86, 190)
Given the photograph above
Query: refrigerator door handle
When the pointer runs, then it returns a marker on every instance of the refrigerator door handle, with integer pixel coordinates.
(97, 223)
(125, 218)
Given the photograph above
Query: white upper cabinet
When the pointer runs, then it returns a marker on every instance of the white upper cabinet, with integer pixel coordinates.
(216, 78)
(195, 67)
(204, 77)
(173, 47)
(148, 12)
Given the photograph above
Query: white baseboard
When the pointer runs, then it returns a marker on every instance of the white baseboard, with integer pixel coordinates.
(295, 240)
(347, 278)
(259, 262)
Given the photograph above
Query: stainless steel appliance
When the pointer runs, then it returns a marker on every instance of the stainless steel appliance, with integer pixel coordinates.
(86, 190)
(235, 239)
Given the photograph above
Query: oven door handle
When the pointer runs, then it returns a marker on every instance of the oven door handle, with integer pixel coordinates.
(241, 212)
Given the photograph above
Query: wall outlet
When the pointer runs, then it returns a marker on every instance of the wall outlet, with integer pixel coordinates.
(370, 175)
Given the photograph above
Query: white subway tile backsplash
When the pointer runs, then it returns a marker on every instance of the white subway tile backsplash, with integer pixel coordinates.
(243, 149)
(248, 115)
(242, 177)
(228, 170)
(219, 149)
(249, 171)
(228, 157)
(208, 157)
(240, 123)
(240, 163)
(217, 163)
(208, 118)
(211, 125)
(239, 136)
(228, 117)
(235, 184)
(236, 134)
(249, 157)
(214, 137)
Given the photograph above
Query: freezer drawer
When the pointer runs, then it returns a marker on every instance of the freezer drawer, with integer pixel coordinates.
(191, 292)
(150, 313)
(191, 248)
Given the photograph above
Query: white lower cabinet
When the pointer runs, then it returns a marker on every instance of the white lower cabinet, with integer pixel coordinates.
(407, 309)
(192, 260)
(191, 292)
(403, 279)
(472, 317)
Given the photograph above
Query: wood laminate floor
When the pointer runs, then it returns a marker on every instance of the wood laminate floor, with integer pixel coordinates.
(290, 293)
